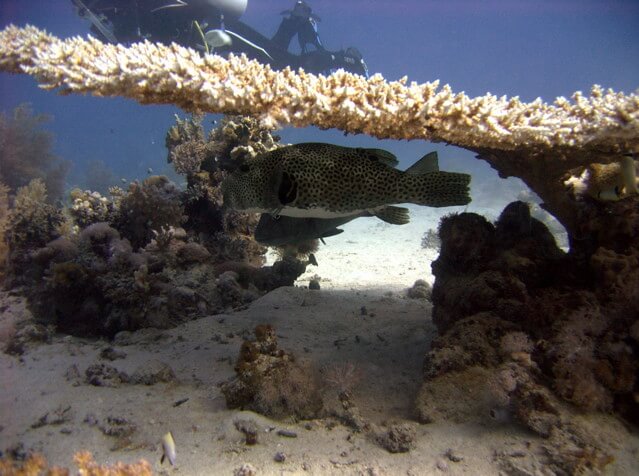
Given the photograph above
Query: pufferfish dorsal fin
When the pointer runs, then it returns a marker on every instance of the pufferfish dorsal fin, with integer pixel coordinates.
(287, 189)
(427, 164)
(383, 156)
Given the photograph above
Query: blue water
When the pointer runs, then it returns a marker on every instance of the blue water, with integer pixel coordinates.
(529, 49)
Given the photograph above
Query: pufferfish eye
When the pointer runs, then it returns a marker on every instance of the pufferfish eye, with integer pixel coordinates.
(244, 168)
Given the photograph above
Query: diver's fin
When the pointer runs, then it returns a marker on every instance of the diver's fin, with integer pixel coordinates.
(393, 215)
(428, 163)
(249, 43)
(384, 156)
(178, 4)
(96, 21)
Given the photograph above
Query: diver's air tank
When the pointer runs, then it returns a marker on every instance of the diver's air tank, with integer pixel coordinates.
(230, 8)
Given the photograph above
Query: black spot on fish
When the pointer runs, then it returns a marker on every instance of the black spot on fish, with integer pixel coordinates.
(287, 192)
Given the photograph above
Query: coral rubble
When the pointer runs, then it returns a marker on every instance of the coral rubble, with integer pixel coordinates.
(37, 464)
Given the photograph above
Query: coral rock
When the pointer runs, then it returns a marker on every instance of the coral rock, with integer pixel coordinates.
(271, 381)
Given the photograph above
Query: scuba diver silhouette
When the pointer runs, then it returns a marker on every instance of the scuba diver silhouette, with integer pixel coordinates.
(164, 21)
(300, 21)
(213, 26)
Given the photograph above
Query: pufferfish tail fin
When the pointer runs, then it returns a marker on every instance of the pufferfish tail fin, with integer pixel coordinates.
(424, 184)
(441, 189)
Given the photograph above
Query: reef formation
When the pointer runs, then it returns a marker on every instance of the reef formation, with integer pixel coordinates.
(152, 255)
(525, 327)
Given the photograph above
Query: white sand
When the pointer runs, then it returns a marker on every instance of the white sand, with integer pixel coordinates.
(371, 254)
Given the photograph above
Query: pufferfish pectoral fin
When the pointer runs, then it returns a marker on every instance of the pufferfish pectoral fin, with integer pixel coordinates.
(333, 232)
(392, 215)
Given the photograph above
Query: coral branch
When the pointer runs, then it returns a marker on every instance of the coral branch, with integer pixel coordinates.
(153, 73)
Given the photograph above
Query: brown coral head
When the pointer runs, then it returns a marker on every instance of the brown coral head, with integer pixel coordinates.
(515, 221)
(248, 353)
(67, 275)
(466, 237)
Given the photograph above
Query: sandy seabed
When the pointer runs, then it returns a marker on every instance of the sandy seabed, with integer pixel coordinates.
(361, 317)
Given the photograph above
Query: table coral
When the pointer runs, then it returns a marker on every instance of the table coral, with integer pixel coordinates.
(154, 73)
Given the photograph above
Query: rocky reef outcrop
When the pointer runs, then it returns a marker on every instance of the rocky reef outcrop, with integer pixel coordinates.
(536, 333)
(271, 381)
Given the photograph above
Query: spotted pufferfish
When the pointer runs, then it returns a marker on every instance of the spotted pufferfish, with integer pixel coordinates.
(328, 181)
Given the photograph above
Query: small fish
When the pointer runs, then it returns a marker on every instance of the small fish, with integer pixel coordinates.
(180, 402)
(217, 38)
(149, 171)
(613, 181)
(315, 180)
(168, 449)
(123, 180)
(285, 230)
